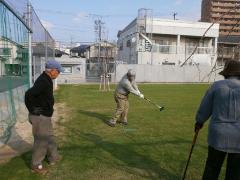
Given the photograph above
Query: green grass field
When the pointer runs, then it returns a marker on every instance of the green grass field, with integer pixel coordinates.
(154, 145)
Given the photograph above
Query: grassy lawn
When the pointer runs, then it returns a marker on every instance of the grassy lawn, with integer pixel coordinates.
(154, 145)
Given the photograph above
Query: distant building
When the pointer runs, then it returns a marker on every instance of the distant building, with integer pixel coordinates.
(227, 14)
(12, 59)
(228, 48)
(59, 53)
(152, 40)
(79, 51)
(99, 52)
(100, 59)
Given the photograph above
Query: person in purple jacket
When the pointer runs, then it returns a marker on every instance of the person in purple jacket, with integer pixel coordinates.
(222, 104)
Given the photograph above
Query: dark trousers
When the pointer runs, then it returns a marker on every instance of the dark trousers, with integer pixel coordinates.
(215, 161)
(44, 142)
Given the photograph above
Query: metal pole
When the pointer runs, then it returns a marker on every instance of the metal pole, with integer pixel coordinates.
(54, 45)
(30, 44)
(190, 154)
(46, 46)
(34, 68)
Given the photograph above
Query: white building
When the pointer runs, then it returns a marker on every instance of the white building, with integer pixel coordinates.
(151, 40)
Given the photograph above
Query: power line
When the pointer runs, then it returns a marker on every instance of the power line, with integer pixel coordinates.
(88, 15)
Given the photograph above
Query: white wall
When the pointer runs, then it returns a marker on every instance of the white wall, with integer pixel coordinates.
(178, 59)
(168, 74)
(163, 26)
(78, 74)
(75, 77)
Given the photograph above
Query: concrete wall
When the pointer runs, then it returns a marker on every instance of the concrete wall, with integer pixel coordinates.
(78, 70)
(168, 73)
(78, 75)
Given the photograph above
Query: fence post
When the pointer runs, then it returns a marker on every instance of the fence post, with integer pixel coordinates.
(30, 44)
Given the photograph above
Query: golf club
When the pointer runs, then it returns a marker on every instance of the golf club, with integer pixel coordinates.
(161, 108)
(190, 154)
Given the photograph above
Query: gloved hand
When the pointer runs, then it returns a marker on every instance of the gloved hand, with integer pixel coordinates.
(141, 96)
(198, 126)
(37, 111)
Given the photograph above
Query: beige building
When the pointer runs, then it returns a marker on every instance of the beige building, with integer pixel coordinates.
(101, 51)
(100, 59)
(225, 12)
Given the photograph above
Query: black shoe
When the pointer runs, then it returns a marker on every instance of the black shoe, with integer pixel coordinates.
(123, 123)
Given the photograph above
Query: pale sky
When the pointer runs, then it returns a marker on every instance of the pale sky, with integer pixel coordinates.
(74, 19)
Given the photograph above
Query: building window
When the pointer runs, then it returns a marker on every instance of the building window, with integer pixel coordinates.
(121, 46)
(67, 69)
(128, 43)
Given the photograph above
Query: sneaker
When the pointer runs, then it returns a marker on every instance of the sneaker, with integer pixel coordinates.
(40, 170)
(111, 123)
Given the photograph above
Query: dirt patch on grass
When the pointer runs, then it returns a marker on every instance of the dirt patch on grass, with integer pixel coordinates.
(61, 114)
(21, 139)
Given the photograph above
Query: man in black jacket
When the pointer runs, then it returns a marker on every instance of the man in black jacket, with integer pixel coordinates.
(39, 101)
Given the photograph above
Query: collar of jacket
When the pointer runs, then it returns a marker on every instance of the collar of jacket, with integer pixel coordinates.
(47, 76)
(233, 77)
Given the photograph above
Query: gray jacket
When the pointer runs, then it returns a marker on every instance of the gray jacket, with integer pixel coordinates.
(126, 87)
(222, 103)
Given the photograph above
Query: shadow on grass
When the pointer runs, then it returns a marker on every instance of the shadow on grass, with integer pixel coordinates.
(104, 118)
(17, 145)
(132, 161)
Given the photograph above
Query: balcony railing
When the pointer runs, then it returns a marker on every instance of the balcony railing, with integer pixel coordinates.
(171, 49)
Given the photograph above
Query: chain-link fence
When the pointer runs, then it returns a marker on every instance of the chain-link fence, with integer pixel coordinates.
(94, 71)
(14, 76)
(17, 19)
(43, 45)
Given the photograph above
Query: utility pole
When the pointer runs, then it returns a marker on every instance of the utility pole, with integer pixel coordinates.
(71, 42)
(46, 45)
(175, 15)
(102, 61)
(100, 39)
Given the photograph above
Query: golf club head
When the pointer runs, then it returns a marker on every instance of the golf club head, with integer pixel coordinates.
(161, 108)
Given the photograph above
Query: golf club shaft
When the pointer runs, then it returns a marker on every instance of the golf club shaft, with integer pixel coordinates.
(152, 103)
(190, 154)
